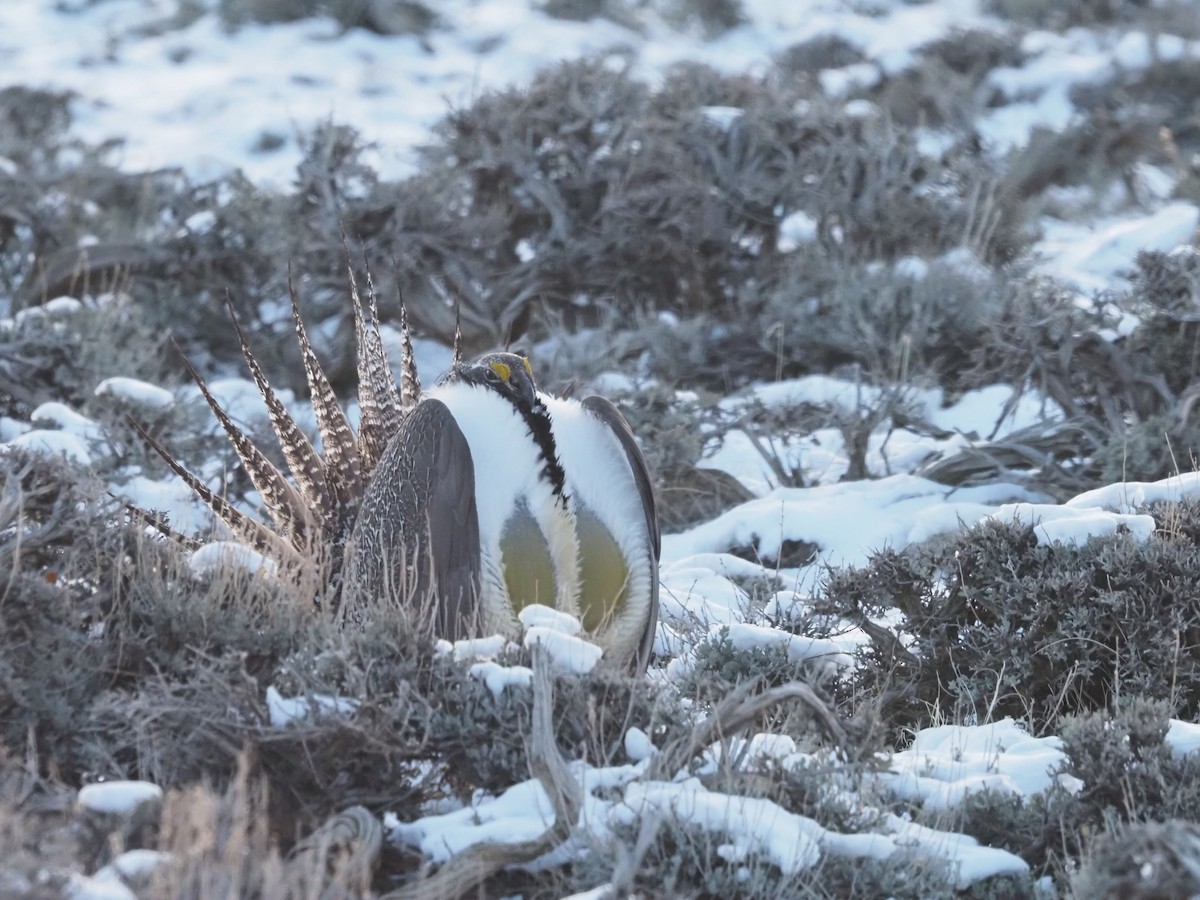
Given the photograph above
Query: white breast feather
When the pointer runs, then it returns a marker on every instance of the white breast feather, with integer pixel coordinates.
(599, 476)
(508, 468)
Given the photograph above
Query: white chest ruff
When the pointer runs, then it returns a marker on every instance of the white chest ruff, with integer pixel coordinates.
(600, 481)
(510, 476)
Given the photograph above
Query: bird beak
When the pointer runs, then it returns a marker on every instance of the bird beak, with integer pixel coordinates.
(519, 380)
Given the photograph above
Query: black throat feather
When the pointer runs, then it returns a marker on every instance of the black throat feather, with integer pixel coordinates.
(537, 419)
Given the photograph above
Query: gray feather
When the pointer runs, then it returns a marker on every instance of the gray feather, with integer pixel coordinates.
(417, 532)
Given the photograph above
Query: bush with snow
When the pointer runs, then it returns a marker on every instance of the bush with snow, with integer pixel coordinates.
(993, 622)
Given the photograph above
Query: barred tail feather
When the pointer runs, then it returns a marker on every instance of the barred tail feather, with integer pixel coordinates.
(410, 381)
(457, 356)
(247, 529)
(305, 464)
(158, 521)
(377, 370)
(372, 434)
(377, 394)
(284, 503)
(342, 467)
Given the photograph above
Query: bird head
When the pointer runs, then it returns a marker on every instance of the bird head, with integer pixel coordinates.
(507, 373)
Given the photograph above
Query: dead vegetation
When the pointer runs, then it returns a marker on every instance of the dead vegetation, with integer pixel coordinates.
(586, 200)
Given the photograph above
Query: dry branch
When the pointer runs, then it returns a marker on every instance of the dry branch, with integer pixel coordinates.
(737, 711)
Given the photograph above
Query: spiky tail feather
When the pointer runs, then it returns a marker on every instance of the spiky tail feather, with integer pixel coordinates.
(313, 518)
(305, 464)
(380, 373)
(284, 503)
(342, 466)
(410, 381)
(247, 529)
(157, 521)
(377, 395)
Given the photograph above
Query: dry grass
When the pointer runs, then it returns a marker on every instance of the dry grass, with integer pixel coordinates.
(116, 661)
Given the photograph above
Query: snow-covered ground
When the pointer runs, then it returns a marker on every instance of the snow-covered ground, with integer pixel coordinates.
(201, 98)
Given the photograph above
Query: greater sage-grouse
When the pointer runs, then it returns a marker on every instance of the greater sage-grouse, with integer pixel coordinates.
(458, 505)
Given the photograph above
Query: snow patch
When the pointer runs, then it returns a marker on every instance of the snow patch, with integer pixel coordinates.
(136, 392)
(283, 711)
(118, 797)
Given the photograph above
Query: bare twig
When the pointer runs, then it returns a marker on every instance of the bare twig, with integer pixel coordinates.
(737, 711)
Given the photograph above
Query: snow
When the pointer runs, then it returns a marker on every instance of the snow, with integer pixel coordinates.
(474, 648)
(284, 711)
(603, 892)
(521, 813)
(567, 652)
(859, 76)
(1184, 737)
(788, 840)
(294, 76)
(54, 443)
(134, 865)
(498, 677)
(218, 556)
(106, 886)
(745, 752)
(10, 428)
(740, 826)
(537, 615)
(1067, 525)
(795, 229)
(745, 636)
(1092, 257)
(67, 420)
(136, 392)
(846, 521)
(1101, 511)
(201, 98)
(972, 861)
(216, 94)
(1039, 91)
(58, 306)
(638, 745)
(118, 797)
(1124, 497)
(829, 655)
(722, 116)
(557, 633)
(990, 413)
(948, 763)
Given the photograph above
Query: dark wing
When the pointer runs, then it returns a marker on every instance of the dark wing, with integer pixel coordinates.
(611, 416)
(416, 539)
